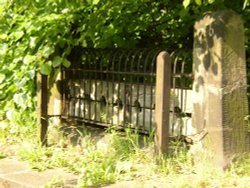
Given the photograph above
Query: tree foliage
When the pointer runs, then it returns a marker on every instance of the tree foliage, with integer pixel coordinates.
(39, 35)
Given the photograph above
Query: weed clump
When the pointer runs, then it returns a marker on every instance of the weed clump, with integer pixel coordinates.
(104, 157)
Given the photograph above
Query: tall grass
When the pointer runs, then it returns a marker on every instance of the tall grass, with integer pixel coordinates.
(100, 158)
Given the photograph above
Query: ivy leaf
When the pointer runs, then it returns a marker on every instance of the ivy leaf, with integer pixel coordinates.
(62, 42)
(186, 3)
(46, 69)
(20, 99)
(3, 36)
(28, 59)
(18, 34)
(2, 95)
(2, 77)
(198, 2)
(66, 51)
(245, 4)
(66, 63)
(2, 86)
(211, 1)
(33, 41)
(31, 74)
(95, 2)
(183, 13)
(3, 48)
(57, 61)
(47, 51)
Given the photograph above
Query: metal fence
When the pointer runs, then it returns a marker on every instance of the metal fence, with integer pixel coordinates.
(181, 94)
(117, 87)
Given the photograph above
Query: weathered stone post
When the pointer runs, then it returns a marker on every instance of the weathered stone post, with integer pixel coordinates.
(220, 86)
(162, 102)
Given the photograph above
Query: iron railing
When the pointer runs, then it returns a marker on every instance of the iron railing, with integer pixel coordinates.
(117, 87)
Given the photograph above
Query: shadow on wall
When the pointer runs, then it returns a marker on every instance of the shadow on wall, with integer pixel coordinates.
(212, 30)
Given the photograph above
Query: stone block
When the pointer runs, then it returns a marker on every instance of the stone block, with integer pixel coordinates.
(219, 89)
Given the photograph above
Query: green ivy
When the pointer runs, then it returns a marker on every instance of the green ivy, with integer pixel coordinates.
(39, 35)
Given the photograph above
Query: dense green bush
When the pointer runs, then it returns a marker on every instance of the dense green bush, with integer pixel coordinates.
(38, 35)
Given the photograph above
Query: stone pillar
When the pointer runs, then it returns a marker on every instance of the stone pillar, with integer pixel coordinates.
(220, 86)
(162, 102)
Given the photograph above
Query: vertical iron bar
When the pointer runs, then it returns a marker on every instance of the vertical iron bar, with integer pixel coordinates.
(90, 84)
(147, 59)
(120, 55)
(173, 98)
(128, 91)
(113, 91)
(95, 88)
(131, 84)
(85, 84)
(138, 90)
(152, 84)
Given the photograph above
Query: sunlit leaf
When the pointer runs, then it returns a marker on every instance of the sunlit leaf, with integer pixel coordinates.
(186, 3)
(3, 48)
(18, 35)
(66, 10)
(20, 99)
(46, 69)
(2, 77)
(3, 36)
(31, 74)
(28, 59)
(2, 86)
(33, 41)
(95, 2)
(9, 114)
(246, 2)
(198, 2)
(57, 61)
(12, 88)
(21, 83)
(48, 50)
(211, 1)
(3, 124)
